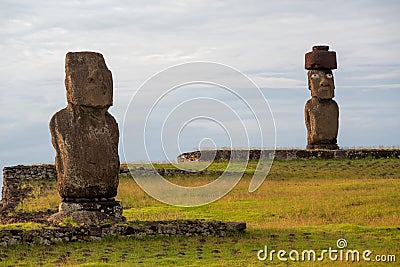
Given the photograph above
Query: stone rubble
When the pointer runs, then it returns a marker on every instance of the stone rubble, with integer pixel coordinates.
(49, 236)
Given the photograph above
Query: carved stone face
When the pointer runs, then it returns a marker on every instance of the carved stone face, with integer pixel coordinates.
(321, 84)
(88, 80)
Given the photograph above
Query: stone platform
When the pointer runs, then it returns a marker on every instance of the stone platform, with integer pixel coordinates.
(286, 154)
(90, 212)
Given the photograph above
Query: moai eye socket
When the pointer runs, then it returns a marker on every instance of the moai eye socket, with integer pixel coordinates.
(314, 76)
(329, 76)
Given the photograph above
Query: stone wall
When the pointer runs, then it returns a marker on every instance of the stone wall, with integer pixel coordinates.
(16, 185)
(287, 154)
(48, 236)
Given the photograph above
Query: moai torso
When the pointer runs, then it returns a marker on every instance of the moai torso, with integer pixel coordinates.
(321, 118)
(84, 135)
(321, 112)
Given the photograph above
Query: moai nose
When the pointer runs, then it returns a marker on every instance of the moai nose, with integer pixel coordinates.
(324, 82)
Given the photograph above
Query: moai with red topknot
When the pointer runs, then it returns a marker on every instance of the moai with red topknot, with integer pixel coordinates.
(321, 111)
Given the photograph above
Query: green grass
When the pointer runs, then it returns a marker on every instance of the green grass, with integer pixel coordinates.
(21, 226)
(301, 205)
(236, 250)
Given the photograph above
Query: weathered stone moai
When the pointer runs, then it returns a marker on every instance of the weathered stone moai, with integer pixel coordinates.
(85, 137)
(321, 111)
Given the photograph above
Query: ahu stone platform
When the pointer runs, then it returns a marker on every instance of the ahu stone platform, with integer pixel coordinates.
(286, 154)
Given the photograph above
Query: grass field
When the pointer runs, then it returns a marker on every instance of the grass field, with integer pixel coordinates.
(302, 205)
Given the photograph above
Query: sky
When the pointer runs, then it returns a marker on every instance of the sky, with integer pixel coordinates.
(264, 40)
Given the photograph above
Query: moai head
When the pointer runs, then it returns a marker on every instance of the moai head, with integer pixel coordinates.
(320, 63)
(321, 84)
(88, 80)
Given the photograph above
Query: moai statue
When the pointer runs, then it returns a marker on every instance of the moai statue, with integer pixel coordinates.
(85, 137)
(321, 111)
